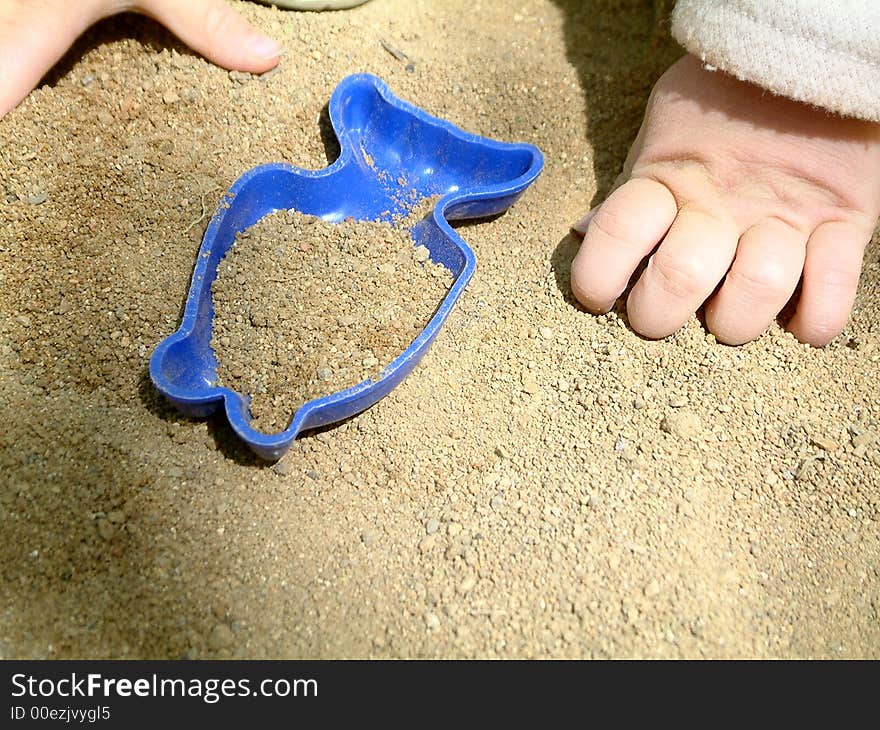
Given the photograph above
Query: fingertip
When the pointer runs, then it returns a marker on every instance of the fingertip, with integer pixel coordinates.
(651, 329)
(218, 32)
(262, 46)
(262, 53)
(726, 336)
(818, 328)
(586, 299)
(587, 285)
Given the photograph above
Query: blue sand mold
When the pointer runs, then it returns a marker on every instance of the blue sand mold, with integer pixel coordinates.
(382, 138)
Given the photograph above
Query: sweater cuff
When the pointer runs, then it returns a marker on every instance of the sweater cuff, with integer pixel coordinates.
(821, 53)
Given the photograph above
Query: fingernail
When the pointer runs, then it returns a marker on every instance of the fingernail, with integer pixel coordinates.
(581, 225)
(264, 46)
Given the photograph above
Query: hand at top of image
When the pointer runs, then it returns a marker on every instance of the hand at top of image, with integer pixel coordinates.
(35, 34)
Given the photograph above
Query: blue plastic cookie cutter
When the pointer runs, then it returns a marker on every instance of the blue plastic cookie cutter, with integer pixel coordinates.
(385, 142)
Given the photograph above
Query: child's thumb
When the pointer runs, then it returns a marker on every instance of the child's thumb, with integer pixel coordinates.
(215, 30)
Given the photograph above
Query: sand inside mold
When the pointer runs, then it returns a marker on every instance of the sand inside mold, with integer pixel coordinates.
(304, 308)
(545, 483)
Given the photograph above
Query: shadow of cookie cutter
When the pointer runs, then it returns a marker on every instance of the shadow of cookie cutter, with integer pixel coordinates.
(384, 142)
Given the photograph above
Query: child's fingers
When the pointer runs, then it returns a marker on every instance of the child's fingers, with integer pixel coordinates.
(831, 278)
(768, 264)
(215, 30)
(690, 262)
(619, 234)
(33, 36)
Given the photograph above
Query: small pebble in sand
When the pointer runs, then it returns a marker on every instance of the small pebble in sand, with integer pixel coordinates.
(272, 72)
(431, 526)
(369, 537)
(240, 77)
(324, 373)
(116, 517)
(221, 637)
(683, 424)
(283, 468)
(530, 384)
(825, 443)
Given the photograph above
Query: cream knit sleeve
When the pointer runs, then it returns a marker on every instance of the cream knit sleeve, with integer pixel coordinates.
(823, 52)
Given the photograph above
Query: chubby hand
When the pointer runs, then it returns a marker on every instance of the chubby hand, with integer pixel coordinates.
(34, 34)
(728, 184)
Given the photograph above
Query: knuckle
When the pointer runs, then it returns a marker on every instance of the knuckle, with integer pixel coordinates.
(838, 278)
(610, 222)
(684, 278)
(768, 282)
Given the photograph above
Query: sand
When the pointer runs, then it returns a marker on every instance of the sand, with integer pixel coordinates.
(304, 308)
(545, 484)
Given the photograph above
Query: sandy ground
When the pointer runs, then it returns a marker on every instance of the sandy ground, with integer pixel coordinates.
(545, 484)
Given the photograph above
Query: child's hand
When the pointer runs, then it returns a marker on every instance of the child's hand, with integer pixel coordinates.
(738, 185)
(34, 34)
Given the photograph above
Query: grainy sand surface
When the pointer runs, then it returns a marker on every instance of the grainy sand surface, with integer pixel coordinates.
(545, 484)
(305, 308)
